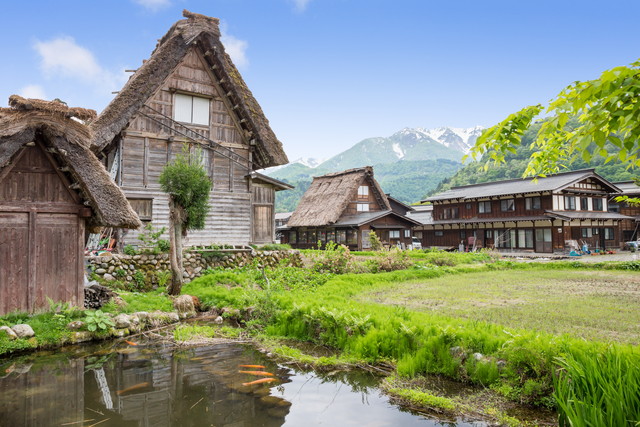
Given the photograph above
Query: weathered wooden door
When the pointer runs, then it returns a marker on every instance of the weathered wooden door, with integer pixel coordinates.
(543, 240)
(263, 224)
(41, 235)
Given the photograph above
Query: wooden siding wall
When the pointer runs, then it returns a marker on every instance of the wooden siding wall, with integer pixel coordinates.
(147, 146)
(41, 235)
(546, 203)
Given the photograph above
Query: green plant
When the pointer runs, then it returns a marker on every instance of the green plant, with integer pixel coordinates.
(97, 320)
(139, 280)
(275, 247)
(376, 244)
(336, 259)
(163, 278)
(150, 239)
(129, 250)
(120, 273)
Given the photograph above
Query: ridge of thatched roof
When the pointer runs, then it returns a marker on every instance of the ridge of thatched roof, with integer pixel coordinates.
(69, 142)
(329, 195)
(204, 32)
(55, 107)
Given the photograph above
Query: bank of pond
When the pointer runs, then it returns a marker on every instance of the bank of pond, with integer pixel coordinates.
(588, 382)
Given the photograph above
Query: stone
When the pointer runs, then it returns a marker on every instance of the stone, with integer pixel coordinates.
(122, 321)
(218, 320)
(104, 265)
(478, 357)
(184, 306)
(75, 325)
(137, 257)
(119, 333)
(119, 301)
(108, 277)
(9, 332)
(173, 317)
(100, 271)
(111, 269)
(23, 331)
(81, 336)
(457, 352)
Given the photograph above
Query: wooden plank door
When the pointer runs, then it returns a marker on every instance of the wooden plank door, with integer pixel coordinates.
(14, 261)
(263, 224)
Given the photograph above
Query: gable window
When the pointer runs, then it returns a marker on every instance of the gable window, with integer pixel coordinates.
(508, 205)
(484, 207)
(597, 204)
(584, 204)
(532, 203)
(143, 207)
(191, 109)
(362, 207)
(569, 203)
(363, 191)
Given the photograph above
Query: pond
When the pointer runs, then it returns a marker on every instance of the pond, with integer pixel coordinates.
(226, 384)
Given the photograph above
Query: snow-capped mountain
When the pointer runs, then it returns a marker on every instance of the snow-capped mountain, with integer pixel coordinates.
(310, 162)
(460, 139)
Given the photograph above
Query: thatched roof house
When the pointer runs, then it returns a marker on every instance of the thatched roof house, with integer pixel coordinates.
(195, 31)
(67, 140)
(345, 207)
(51, 188)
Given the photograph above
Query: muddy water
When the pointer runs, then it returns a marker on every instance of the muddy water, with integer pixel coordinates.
(152, 385)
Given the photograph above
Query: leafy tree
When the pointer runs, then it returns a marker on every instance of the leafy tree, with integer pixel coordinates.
(188, 185)
(607, 110)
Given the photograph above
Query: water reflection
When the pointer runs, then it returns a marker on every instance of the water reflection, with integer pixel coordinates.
(161, 386)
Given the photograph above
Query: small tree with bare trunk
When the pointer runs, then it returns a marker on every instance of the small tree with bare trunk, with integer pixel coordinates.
(188, 185)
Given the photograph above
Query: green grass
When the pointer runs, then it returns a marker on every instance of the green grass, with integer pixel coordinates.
(595, 305)
(141, 301)
(423, 399)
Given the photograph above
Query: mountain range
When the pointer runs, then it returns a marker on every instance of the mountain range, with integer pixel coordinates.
(408, 164)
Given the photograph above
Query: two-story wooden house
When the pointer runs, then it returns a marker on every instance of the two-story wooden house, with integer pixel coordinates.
(190, 93)
(345, 207)
(629, 227)
(544, 215)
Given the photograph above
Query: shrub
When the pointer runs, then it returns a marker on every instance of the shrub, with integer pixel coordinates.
(129, 250)
(336, 259)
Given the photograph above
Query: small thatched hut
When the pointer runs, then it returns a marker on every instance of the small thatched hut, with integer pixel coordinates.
(51, 188)
(190, 93)
(345, 207)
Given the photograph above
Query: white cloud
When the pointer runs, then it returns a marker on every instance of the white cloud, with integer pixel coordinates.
(33, 91)
(300, 5)
(153, 5)
(64, 57)
(236, 48)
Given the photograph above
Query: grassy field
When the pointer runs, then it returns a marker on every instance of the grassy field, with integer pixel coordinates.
(595, 305)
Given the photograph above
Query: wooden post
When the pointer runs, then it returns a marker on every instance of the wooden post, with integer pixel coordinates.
(176, 216)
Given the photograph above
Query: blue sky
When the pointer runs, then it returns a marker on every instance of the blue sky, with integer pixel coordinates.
(329, 73)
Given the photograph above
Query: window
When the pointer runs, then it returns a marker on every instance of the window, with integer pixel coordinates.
(451, 213)
(569, 203)
(394, 234)
(614, 207)
(143, 207)
(292, 237)
(584, 204)
(597, 204)
(362, 207)
(586, 232)
(363, 191)
(407, 233)
(468, 206)
(532, 203)
(525, 238)
(463, 234)
(438, 233)
(352, 237)
(191, 109)
(508, 205)
(303, 237)
(608, 233)
(341, 236)
(417, 234)
(484, 207)
(322, 236)
(488, 234)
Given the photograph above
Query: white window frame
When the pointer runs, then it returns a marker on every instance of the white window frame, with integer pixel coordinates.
(363, 191)
(362, 207)
(407, 233)
(394, 234)
(192, 109)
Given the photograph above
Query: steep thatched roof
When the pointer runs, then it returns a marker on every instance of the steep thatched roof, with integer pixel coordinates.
(329, 195)
(51, 123)
(202, 31)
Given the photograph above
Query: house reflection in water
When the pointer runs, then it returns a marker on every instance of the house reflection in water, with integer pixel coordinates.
(139, 386)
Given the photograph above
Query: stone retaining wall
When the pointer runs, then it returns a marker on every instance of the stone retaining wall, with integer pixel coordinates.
(124, 267)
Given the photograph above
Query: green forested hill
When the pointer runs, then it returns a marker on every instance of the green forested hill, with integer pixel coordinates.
(516, 164)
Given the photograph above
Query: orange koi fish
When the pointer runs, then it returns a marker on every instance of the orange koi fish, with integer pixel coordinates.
(260, 381)
(264, 374)
(132, 388)
(252, 366)
(130, 342)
